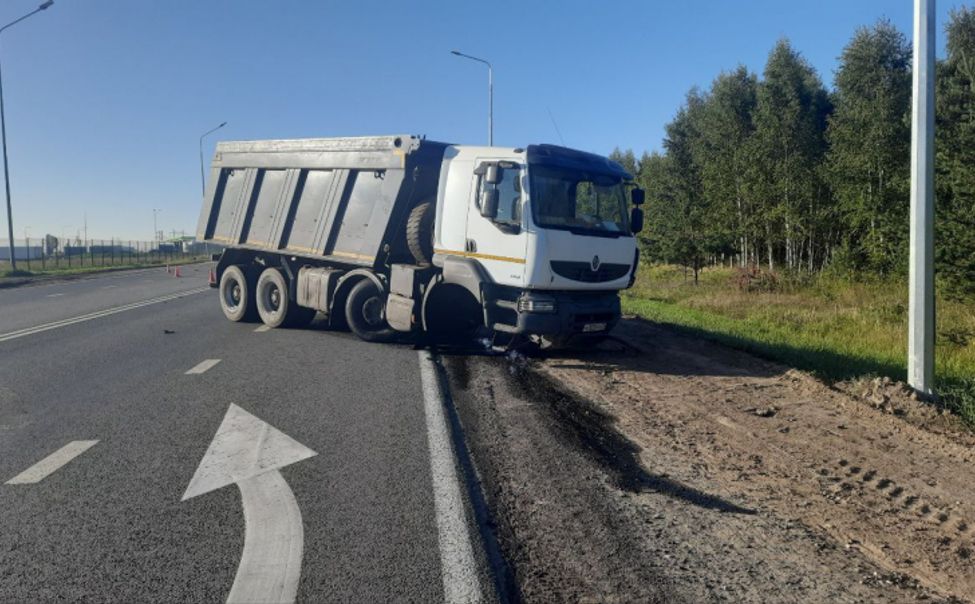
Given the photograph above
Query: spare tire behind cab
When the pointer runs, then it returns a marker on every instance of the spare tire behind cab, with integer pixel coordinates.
(419, 232)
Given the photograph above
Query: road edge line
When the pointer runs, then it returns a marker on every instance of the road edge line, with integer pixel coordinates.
(457, 563)
(29, 331)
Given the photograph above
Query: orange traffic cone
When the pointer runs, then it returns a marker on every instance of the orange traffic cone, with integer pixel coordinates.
(212, 277)
(176, 273)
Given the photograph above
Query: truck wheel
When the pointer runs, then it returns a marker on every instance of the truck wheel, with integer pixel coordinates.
(273, 304)
(419, 232)
(237, 295)
(365, 312)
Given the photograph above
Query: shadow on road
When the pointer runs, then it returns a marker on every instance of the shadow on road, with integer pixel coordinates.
(594, 432)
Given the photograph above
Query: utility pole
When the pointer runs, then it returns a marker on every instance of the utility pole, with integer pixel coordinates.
(490, 93)
(203, 185)
(3, 135)
(155, 229)
(921, 326)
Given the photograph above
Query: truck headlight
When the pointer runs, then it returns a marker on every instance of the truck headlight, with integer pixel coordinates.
(536, 303)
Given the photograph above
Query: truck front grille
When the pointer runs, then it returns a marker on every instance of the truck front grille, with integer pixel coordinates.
(582, 271)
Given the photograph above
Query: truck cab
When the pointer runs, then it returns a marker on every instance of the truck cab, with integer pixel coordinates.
(547, 230)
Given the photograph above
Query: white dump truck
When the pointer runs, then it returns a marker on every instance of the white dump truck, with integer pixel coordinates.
(392, 234)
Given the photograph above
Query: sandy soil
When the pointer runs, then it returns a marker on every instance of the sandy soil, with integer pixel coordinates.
(859, 489)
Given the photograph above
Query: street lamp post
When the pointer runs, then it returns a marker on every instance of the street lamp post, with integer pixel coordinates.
(490, 93)
(921, 324)
(3, 136)
(203, 185)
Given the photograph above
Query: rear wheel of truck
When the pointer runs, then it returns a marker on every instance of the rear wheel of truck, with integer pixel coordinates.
(237, 295)
(365, 312)
(419, 232)
(274, 306)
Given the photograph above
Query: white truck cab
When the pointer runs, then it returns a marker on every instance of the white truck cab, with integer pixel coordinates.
(550, 228)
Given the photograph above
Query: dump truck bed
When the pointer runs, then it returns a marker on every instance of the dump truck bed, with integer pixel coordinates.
(340, 199)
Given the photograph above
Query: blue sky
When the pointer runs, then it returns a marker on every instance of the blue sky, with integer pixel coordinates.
(106, 99)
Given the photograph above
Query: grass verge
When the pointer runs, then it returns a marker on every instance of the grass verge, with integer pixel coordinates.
(835, 328)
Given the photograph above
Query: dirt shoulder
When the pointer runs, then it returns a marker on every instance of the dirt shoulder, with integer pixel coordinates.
(874, 496)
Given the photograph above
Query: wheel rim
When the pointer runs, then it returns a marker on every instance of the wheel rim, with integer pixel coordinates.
(372, 311)
(233, 294)
(271, 296)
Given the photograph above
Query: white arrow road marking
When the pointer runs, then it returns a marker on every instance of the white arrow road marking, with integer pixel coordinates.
(96, 315)
(50, 464)
(53, 295)
(460, 583)
(249, 452)
(203, 366)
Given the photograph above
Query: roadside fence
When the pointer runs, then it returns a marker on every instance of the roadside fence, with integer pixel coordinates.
(50, 254)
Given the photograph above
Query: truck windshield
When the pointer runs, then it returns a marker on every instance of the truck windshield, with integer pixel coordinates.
(563, 198)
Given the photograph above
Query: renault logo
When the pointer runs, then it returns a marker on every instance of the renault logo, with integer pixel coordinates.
(595, 263)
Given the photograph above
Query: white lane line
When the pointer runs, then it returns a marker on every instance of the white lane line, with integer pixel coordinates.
(460, 582)
(53, 295)
(262, 329)
(205, 365)
(50, 464)
(108, 286)
(27, 331)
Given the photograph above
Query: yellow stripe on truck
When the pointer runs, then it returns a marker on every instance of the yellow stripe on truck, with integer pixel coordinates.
(481, 256)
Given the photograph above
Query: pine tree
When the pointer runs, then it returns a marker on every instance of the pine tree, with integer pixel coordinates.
(657, 238)
(627, 159)
(786, 153)
(955, 214)
(726, 128)
(869, 133)
(691, 235)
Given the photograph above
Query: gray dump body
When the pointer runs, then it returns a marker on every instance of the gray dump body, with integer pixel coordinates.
(344, 200)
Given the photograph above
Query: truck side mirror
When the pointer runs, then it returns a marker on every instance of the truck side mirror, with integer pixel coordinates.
(636, 219)
(637, 196)
(489, 203)
(493, 174)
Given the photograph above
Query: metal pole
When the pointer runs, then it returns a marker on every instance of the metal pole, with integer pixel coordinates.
(490, 93)
(490, 106)
(6, 181)
(203, 185)
(920, 342)
(155, 229)
(3, 136)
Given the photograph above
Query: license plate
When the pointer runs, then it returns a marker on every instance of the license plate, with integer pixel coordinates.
(591, 327)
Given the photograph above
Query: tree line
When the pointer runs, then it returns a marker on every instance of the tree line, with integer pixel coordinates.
(780, 172)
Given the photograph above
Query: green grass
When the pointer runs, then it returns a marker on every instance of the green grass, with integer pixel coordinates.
(835, 328)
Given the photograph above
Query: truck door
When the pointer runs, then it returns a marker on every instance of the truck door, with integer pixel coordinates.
(500, 244)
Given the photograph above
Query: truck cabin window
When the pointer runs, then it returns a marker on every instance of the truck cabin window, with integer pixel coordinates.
(509, 197)
(578, 201)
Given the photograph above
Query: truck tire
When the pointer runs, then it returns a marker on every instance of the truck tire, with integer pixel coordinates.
(274, 305)
(237, 295)
(365, 313)
(419, 232)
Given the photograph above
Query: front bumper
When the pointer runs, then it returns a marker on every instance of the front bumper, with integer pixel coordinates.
(575, 313)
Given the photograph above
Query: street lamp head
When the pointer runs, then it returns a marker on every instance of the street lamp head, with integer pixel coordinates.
(455, 52)
(222, 125)
(45, 5)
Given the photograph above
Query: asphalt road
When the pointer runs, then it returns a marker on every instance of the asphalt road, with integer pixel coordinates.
(110, 525)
